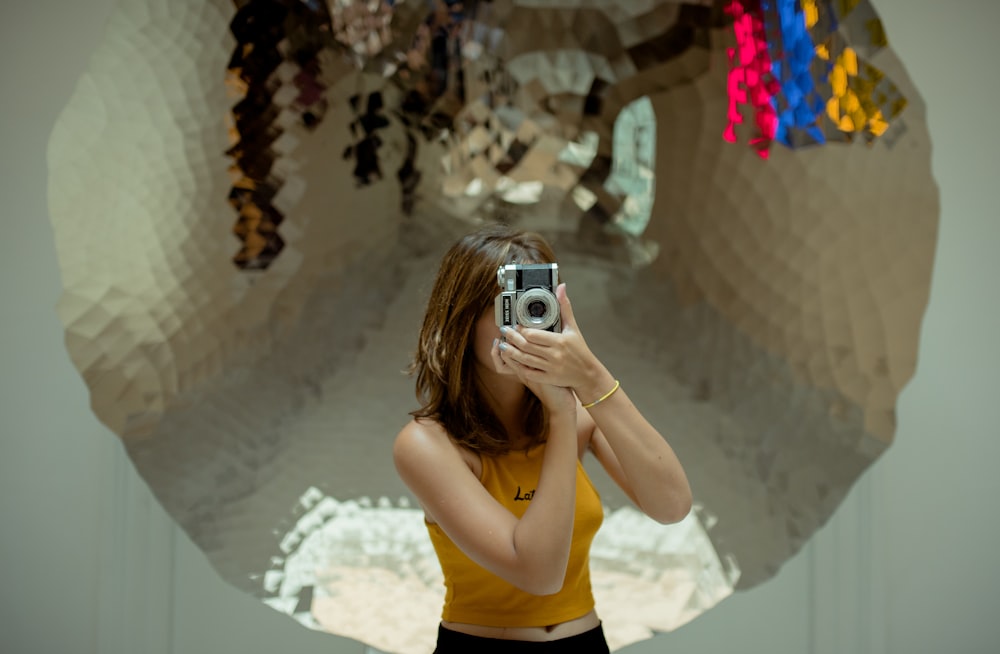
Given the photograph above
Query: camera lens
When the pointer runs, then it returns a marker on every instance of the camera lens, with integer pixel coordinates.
(538, 308)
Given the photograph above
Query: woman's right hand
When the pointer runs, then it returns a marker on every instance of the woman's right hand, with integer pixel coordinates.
(556, 399)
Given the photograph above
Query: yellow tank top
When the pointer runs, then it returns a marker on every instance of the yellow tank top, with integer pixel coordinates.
(475, 596)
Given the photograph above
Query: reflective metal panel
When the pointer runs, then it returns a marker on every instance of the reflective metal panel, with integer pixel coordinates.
(249, 201)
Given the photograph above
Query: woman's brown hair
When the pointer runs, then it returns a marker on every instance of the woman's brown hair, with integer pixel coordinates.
(444, 363)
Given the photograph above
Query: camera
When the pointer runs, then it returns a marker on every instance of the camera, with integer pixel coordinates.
(528, 296)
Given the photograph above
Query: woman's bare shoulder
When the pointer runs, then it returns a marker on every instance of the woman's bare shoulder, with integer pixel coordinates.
(422, 441)
(422, 434)
(426, 458)
(423, 426)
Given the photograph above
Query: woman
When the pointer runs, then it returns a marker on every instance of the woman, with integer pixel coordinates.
(494, 453)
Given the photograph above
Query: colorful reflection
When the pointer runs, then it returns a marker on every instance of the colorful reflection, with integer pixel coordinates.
(794, 70)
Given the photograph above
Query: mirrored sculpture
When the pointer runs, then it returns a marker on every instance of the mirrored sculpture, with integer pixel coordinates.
(249, 201)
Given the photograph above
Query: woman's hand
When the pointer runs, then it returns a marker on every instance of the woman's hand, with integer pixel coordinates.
(636, 455)
(554, 398)
(559, 359)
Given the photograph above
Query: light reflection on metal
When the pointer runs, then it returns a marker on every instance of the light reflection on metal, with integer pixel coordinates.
(363, 564)
(791, 59)
(633, 175)
(764, 314)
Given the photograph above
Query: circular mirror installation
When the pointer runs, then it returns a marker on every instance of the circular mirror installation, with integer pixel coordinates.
(250, 199)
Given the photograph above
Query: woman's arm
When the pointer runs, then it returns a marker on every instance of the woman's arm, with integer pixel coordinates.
(531, 553)
(639, 459)
(635, 454)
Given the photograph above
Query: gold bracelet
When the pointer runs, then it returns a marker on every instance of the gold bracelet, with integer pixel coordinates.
(614, 388)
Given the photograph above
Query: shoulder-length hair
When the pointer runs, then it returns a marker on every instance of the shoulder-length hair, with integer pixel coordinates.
(444, 364)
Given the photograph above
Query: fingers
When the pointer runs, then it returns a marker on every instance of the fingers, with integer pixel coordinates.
(528, 351)
(499, 364)
(530, 340)
(505, 359)
(510, 353)
(565, 308)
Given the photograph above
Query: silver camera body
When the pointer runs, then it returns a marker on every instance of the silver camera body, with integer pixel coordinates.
(528, 296)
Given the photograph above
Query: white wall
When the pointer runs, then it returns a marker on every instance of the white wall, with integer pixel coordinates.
(89, 563)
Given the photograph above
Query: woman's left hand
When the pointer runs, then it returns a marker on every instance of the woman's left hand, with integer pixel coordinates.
(631, 449)
(556, 358)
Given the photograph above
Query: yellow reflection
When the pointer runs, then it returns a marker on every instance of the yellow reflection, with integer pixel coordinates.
(852, 106)
(856, 104)
(811, 12)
